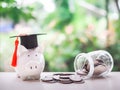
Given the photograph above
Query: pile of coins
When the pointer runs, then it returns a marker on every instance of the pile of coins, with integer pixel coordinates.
(63, 78)
(99, 68)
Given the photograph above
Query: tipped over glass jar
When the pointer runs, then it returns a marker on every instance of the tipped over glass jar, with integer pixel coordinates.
(93, 64)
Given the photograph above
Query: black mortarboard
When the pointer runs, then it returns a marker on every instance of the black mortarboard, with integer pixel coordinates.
(29, 41)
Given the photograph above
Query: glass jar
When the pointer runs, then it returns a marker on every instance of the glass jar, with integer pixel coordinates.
(93, 64)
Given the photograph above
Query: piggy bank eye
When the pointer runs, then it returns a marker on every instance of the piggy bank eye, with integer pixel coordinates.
(28, 55)
(36, 55)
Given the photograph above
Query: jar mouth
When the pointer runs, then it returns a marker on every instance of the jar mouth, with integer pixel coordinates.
(80, 61)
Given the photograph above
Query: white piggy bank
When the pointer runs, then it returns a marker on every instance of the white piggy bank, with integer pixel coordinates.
(30, 63)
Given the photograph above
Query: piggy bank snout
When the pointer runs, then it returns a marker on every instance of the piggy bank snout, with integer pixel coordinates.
(33, 66)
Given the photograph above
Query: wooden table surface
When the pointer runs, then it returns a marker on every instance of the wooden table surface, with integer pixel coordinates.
(9, 81)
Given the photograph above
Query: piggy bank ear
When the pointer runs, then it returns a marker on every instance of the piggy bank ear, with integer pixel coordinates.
(39, 49)
(21, 49)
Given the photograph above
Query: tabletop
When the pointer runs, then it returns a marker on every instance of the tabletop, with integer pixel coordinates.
(9, 81)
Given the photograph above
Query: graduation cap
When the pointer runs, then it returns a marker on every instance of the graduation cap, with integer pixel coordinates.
(28, 41)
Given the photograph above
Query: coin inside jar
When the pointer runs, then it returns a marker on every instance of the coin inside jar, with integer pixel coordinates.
(99, 69)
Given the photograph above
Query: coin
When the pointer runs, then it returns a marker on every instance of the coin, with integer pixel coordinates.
(100, 61)
(56, 77)
(47, 78)
(63, 74)
(52, 81)
(99, 69)
(75, 78)
(66, 81)
(96, 63)
(79, 82)
(88, 67)
(64, 77)
(83, 72)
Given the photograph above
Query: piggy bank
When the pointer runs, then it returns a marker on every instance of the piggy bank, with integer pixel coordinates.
(30, 63)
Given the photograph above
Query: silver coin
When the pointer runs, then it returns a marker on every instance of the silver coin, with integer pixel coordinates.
(79, 82)
(47, 78)
(64, 77)
(52, 81)
(63, 74)
(83, 72)
(99, 69)
(65, 81)
(75, 78)
(56, 77)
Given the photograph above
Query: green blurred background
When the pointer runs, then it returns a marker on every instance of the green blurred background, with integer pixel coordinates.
(72, 27)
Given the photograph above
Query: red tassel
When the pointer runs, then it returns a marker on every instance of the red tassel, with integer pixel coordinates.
(14, 58)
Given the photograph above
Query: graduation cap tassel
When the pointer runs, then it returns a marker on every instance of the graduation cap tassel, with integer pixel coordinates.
(14, 58)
